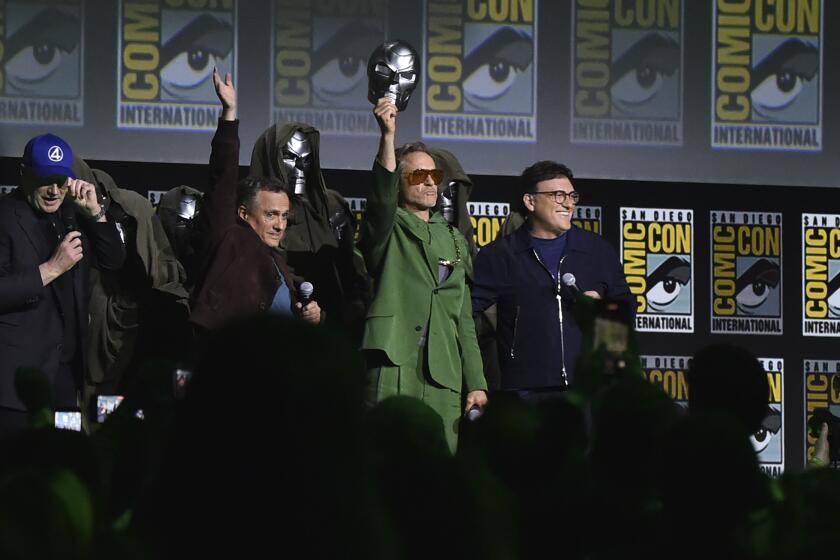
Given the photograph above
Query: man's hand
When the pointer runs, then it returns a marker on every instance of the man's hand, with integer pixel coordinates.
(83, 194)
(226, 93)
(65, 257)
(310, 313)
(592, 293)
(476, 399)
(386, 115)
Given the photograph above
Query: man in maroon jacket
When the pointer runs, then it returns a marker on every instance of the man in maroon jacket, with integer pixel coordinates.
(244, 269)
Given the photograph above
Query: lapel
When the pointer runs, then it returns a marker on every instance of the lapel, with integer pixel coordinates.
(32, 230)
(421, 231)
(36, 234)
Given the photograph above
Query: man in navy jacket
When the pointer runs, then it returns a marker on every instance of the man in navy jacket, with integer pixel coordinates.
(537, 336)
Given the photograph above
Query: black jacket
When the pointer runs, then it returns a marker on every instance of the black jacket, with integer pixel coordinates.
(529, 335)
(31, 325)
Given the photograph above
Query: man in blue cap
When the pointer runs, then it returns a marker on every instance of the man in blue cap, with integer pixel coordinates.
(52, 230)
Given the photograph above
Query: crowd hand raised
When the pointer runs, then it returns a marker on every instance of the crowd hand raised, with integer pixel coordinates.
(226, 93)
(83, 195)
(65, 257)
(311, 313)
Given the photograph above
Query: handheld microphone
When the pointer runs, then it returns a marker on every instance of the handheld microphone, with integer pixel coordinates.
(305, 291)
(570, 282)
(69, 217)
(474, 414)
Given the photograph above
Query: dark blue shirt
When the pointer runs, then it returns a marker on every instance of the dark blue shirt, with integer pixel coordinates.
(550, 251)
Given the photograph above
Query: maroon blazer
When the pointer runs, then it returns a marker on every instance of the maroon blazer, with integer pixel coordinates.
(240, 274)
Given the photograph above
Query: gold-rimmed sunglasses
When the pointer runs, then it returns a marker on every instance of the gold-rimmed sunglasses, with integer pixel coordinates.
(418, 176)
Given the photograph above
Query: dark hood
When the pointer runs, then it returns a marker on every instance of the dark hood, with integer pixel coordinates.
(309, 228)
(267, 156)
(452, 171)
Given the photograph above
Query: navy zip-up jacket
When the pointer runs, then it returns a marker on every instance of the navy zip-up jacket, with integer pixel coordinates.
(529, 335)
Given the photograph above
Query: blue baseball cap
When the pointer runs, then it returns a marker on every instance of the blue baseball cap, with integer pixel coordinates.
(48, 155)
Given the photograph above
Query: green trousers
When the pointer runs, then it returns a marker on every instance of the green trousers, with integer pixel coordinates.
(385, 379)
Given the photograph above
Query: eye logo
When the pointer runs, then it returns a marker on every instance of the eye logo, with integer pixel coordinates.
(657, 255)
(666, 282)
(319, 62)
(189, 56)
(626, 73)
(753, 288)
(784, 79)
(766, 68)
(479, 79)
(821, 274)
(746, 270)
(768, 440)
(41, 62)
(493, 68)
(55, 153)
(168, 49)
(770, 428)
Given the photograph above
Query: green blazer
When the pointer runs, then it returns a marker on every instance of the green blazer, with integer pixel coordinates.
(401, 251)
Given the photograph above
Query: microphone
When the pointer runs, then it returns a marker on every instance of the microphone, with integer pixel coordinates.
(69, 216)
(474, 414)
(570, 282)
(305, 291)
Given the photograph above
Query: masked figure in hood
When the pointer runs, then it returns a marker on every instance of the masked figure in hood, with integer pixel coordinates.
(178, 209)
(319, 239)
(139, 311)
(454, 193)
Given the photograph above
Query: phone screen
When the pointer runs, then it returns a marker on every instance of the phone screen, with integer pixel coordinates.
(68, 420)
(105, 405)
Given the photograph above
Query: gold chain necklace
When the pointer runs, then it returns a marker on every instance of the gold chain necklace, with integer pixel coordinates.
(454, 263)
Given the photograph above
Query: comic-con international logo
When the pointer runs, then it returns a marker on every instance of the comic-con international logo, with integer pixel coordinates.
(657, 247)
(766, 75)
(626, 72)
(479, 80)
(487, 219)
(319, 61)
(357, 207)
(588, 218)
(746, 265)
(668, 373)
(821, 274)
(167, 51)
(769, 440)
(822, 394)
(42, 62)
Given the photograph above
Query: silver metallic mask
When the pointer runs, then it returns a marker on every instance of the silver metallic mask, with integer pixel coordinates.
(393, 71)
(297, 159)
(448, 203)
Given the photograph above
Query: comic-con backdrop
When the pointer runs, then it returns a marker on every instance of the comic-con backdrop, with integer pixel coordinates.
(718, 91)
(697, 131)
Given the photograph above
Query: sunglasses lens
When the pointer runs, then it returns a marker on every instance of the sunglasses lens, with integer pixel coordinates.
(417, 176)
(437, 175)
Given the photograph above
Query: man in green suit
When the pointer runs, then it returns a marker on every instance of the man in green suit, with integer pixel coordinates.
(419, 335)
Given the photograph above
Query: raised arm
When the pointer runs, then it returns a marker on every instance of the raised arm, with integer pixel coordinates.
(382, 202)
(220, 195)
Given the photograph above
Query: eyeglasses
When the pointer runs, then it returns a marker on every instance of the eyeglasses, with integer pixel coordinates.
(419, 176)
(560, 196)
